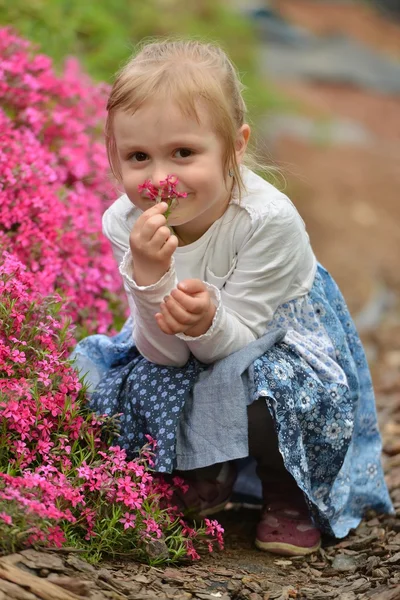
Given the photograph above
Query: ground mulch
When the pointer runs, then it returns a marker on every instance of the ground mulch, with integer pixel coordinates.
(364, 566)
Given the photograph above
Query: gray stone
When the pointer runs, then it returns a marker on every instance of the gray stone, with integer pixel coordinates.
(333, 131)
(333, 59)
(345, 563)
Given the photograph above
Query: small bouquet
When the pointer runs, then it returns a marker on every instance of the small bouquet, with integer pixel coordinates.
(165, 192)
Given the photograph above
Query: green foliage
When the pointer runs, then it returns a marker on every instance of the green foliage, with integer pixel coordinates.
(103, 33)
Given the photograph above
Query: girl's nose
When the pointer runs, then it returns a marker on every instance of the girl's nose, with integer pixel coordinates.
(158, 174)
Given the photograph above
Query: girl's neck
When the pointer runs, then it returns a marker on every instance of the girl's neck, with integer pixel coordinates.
(182, 240)
(190, 232)
(188, 235)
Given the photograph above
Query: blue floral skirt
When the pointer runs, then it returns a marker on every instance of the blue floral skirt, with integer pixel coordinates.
(317, 386)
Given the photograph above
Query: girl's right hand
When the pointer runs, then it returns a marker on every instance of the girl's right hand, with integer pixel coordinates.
(152, 245)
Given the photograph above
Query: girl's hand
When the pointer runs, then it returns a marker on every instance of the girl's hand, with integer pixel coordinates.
(188, 309)
(152, 245)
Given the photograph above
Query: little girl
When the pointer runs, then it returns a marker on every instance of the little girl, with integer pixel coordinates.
(239, 343)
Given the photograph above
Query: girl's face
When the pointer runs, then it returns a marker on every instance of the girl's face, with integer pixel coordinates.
(158, 140)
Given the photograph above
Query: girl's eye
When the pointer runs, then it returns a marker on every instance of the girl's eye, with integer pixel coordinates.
(183, 152)
(138, 156)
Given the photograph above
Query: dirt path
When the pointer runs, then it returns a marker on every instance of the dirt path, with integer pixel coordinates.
(357, 20)
(366, 566)
(348, 194)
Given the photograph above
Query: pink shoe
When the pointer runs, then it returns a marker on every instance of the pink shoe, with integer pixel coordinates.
(206, 497)
(286, 528)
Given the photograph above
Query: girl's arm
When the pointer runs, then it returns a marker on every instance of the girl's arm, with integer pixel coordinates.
(143, 301)
(275, 263)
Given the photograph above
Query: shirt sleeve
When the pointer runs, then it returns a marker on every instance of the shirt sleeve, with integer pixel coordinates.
(268, 267)
(144, 301)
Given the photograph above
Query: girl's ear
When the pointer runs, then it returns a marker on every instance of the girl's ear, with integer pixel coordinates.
(242, 139)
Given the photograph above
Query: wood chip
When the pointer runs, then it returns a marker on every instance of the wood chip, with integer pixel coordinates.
(140, 579)
(286, 593)
(384, 594)
(371, 563)
(359, 585)
(222, 571)
(12, 559)
(171, 574)
(42, 560)
(42, 588)
(80, 565)
(283, 563)
(77, 586)
(393, 559)
(11, 591)
(251, 584)
(360, 543)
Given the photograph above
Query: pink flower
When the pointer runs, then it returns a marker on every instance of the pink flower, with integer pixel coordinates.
(6, 518)
(18, 356)
(84, 471)
(215, 530)
(151, 441)
(191, 552)
(152, 527)
(55, 536)
(128, 520)
(180, 484)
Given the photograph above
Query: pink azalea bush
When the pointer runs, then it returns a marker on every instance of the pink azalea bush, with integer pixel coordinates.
(54, 182)
(61, 480)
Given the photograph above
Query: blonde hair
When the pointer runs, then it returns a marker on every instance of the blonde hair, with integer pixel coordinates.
(187, 71)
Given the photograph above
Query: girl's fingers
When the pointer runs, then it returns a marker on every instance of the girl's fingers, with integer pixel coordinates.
(160, 237)
(168, 321)
(192, 304)
(150, 221)
(192, 286)
(162, 324)
(152, 226)
(170, 324)
(158, 209)
(168, 248)
(175, 314)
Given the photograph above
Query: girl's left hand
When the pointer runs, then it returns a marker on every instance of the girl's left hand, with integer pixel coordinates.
(188, 309)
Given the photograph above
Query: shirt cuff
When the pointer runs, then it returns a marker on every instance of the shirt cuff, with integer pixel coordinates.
(126, 270)
(216, 300)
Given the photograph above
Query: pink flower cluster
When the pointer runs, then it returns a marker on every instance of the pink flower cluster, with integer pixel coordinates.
(165, 192)
(54, 182)
(64, 482)
(35, 375)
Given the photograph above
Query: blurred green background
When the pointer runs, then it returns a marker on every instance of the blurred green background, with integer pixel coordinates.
(103, 33)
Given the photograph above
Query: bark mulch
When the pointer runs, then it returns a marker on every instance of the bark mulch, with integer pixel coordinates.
(364, 566)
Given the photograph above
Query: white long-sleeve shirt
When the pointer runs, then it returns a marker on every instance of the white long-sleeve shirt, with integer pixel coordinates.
(253, 259)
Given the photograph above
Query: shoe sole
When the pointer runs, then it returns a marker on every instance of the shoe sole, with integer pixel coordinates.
(286, 549)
